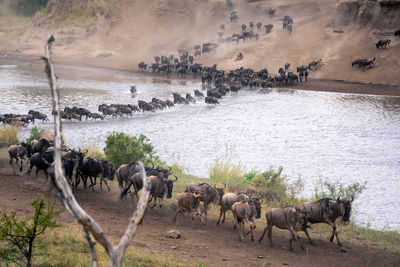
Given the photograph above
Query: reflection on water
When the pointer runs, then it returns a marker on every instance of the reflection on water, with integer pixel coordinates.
(311, 134)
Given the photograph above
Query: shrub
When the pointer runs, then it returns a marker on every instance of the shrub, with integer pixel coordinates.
(8, 136)
(17, 236)
(324, 188)
(29, 7)
(122, 148)
(35, 133)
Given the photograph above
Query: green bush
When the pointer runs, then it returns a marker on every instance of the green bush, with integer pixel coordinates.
(29, 7)
(35, 132)
(225, 170)
(18, 236)
(122, 148)
(8, 136)
(324, 188)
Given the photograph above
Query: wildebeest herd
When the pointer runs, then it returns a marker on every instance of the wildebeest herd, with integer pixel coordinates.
(245, 207)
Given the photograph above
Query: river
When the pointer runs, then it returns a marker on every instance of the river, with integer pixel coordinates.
(333, 136)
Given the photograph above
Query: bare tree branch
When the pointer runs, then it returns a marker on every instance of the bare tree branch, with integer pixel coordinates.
(115, 254)
(91, 245)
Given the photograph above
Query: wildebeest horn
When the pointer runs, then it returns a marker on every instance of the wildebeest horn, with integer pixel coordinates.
(352, 198)
(176, 179)
(262, 201)
(86, 151)
(170, 169)
(338, 199)
(152, 165)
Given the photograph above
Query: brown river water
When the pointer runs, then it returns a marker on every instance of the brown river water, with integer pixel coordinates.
(332, 136)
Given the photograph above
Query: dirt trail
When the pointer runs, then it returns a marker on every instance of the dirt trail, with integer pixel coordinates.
(212, 245)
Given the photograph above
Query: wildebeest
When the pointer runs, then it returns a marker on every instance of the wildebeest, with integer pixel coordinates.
(284, 218)
(198, 93)
(268, 28)
(95, 115)
(133, 89)
(227, 201)
(40, 145)
(383, 43)
(158, 188)
(325, 210)
(211, 100)
(188, 201)
(142, 66)
(93, 168)
(208, 193)
(397, 33)
(363, 63)
(42, 161)
(244, 212)
(18, 152)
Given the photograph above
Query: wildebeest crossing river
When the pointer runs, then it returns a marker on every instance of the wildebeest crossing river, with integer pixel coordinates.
(311, 134)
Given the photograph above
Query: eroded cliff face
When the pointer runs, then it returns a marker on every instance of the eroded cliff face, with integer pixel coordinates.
(383, 15)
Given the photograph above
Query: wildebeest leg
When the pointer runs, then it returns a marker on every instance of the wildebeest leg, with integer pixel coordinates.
(47, 174)
(12, 164)
(221, 211)
(176, 213)
(37, 172)
(205, 213)
(20, 168)
(104, 180)
(334, 232)
(92, 184)
(262, 236)
(269, 226)
(308, 236)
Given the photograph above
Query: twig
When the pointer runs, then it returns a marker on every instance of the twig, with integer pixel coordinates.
(115, 254)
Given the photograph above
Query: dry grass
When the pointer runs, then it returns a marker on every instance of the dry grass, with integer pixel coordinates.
(8, 136)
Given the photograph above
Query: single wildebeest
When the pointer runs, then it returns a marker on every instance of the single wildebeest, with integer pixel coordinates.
(244, 212)
(208, 193)
(227, 201)
(190, 98)
(198, 93)
(40, 145)
(95, 115)
(158, 187)
(397, 33)
(42, 161)
(325, 210)
(383, 43)
(188, 201)
(284, 218)
(18, 152)
(93, 168)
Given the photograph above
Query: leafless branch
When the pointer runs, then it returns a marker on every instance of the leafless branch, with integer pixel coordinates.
(115, 254)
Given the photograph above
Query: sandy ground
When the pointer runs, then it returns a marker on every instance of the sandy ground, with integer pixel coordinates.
(140, 30)
(212, 245)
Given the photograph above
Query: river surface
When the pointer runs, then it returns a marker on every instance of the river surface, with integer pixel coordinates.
(332, 136)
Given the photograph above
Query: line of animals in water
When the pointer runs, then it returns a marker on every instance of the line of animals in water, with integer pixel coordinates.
(197, 196)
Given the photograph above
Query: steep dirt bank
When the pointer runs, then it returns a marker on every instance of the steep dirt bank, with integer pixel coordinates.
(122, 33)
(212, 245)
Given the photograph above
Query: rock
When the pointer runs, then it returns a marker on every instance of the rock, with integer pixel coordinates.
(174, 247)
(285, 263)
(343, 250)
(174, 234)
(224, 259)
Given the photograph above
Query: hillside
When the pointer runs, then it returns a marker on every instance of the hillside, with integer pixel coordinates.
(122, 33)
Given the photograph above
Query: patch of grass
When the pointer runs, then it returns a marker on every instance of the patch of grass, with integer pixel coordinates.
(223, 169)
(94, 151)
(8, 136)
(68, 247)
